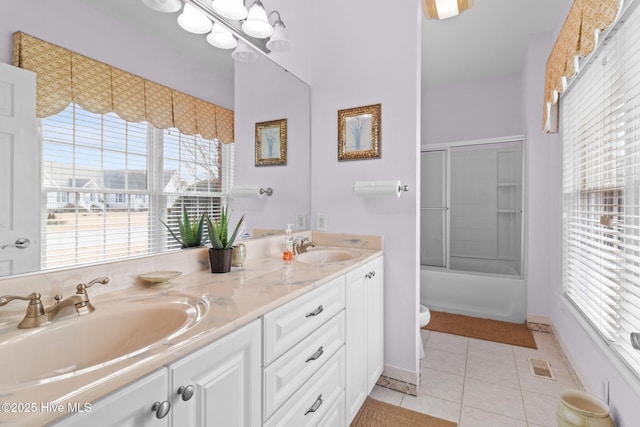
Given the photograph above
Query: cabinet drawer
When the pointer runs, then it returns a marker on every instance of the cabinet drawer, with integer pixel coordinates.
(313, 401)
(287, 325)
(335, 414)
(284, 376)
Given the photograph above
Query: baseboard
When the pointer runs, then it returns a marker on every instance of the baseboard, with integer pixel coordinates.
(399, 379)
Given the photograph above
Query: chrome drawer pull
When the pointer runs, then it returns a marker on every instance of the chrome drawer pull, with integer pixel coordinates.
(315, 406)
(315, 355)
(315, 312)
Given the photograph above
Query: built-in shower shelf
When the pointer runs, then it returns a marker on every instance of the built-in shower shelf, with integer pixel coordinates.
(507, 184)
(509, 211)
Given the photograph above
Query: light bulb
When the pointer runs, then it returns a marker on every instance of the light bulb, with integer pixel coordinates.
(194, 21)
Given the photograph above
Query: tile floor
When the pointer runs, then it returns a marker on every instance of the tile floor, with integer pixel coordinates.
(480, 383)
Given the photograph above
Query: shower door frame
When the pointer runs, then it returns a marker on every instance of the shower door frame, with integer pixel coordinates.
(447, 246)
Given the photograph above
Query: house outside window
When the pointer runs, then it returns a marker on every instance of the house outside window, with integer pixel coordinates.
(123, 178)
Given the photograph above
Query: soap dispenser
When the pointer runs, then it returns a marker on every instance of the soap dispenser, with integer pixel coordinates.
(287, 251)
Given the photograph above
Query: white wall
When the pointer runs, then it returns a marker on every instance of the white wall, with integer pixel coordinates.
(472, 110)
(75, 26)
(266, 92)
(355, 63)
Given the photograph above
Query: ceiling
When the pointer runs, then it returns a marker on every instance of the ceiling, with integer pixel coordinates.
(487, 40)
(490, 39)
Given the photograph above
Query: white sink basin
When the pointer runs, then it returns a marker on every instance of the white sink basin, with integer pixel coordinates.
(112, 333)
(327, 255)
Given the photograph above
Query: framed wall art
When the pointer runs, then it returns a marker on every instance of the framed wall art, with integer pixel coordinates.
(271, 143)
(359, 133)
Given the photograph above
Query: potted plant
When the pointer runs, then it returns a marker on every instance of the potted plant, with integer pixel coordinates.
(190, 231)
(221, 241)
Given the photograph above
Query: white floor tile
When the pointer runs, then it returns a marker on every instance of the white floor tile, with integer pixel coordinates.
(491, 351)
(473, 417)
(387, 395)
(540, 409)
(444, 361)
(492, 371)
(548, 387)
(432, 406)
(494, 398)
(441, 385)
(447, 342)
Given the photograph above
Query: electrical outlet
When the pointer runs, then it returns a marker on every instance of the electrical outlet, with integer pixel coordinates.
(301, 221)
(321, 222)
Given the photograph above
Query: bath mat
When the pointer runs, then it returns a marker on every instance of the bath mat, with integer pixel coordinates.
(374, 413)
(484, 329)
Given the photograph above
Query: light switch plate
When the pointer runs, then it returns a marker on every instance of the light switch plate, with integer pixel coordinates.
(301, 221)
(321, 222)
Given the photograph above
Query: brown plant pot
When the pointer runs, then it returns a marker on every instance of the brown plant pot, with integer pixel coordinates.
(220, 260)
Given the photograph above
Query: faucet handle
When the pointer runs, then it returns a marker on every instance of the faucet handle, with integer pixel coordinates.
(33, 297)
(82, 287)
(35, 315)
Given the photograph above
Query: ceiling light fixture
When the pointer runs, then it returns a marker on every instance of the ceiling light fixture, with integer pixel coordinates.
(194, 21)
(278, 40)
(442, 9)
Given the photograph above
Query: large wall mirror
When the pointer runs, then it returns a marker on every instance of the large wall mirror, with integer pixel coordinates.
(128, 35)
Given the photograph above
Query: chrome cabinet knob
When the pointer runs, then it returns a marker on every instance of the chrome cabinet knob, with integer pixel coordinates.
(161, 409)
(186, 392)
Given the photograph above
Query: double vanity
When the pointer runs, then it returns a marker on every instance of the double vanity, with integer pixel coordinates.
(271, 343)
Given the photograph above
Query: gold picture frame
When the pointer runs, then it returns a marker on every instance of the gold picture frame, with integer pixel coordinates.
(271, 143)
(359, 133)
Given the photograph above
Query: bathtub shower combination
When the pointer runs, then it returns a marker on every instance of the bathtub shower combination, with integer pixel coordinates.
(471, 222)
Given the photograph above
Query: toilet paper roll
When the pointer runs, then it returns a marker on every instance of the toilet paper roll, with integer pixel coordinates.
(371, 189)
(246, 191)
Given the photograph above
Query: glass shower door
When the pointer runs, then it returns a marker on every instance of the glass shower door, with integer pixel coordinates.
(433, 208)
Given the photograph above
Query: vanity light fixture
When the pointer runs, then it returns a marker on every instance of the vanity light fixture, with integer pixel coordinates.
(230, 9)
(244, 52)
(257, 24)
(278, 41)
(442, 9)
(194, 21)
(235, 27)
(165, 6)
(221, 38)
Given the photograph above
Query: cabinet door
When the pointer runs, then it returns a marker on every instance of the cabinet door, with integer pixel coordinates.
(356, 345)
(224, 381)
(375, 322)
(129, 406)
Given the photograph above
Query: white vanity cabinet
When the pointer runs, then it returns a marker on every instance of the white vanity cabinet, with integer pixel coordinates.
(220, 384)
(129, 406)
(304, 372)
(364, 329)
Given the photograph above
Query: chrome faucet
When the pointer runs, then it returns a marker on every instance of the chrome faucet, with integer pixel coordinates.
(303, 245)
(37, 315)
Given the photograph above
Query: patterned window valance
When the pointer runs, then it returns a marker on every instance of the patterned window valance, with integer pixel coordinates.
(578, 37)
(65, 77)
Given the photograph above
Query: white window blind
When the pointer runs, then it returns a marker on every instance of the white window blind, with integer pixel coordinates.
(108, 182)
(601, 191)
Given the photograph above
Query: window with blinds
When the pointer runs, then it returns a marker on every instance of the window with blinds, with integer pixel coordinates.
(107, 183)
(601, 190)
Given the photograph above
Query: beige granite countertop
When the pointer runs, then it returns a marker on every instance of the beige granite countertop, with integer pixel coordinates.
(228, 301)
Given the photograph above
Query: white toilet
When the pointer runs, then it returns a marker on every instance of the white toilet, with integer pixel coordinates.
(425, 317)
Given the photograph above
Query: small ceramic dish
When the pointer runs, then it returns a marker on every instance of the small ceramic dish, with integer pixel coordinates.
(160, 279)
